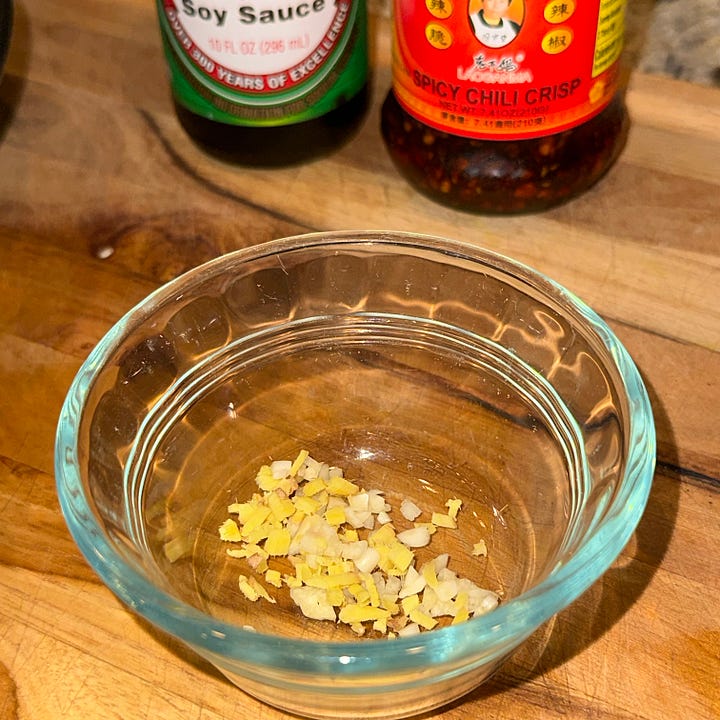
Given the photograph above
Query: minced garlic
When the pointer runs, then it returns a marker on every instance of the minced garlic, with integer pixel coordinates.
(349, 564)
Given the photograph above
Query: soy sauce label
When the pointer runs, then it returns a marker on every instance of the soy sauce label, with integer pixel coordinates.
(506, 69)
(263, 61)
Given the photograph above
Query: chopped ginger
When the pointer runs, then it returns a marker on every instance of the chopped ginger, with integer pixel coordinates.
(443, 520)
(422, 618)
(313, 487)
(278, 542)
(335, 516)
(453, 506)
(340, 486)
(299, 460)
(252, 589)
(480, 548)
(229, 531)
(347, 562)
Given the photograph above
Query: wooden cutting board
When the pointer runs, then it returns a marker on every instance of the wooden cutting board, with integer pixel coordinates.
(102, 198)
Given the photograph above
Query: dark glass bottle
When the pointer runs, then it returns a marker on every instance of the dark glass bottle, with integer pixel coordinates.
(276, 146)
(265, 85)
(6, 23)
(501, 140)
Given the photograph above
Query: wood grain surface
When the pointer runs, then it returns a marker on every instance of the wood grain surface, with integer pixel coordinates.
(102, 198)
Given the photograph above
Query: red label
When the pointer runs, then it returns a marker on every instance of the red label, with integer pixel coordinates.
(506, 69)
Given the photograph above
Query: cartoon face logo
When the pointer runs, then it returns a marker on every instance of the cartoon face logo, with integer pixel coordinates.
(496, 23)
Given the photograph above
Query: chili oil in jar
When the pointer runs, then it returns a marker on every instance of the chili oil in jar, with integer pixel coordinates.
(505, 106)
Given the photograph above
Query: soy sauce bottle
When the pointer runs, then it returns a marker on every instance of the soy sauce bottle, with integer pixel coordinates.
(267, 83)
(505, 106)
(6, 25)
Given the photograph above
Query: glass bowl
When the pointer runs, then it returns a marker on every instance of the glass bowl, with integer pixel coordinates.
(427, 369)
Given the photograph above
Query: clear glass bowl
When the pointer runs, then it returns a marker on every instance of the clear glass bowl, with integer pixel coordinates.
(426, 368)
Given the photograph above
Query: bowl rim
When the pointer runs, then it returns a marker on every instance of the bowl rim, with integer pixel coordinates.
(495, 633)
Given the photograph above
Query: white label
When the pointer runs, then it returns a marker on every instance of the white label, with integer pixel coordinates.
(262, 38)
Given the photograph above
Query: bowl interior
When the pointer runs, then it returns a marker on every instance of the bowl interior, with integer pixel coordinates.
(401, 407)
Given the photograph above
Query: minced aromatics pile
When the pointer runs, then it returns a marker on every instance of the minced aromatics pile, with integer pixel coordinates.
(349, 563)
